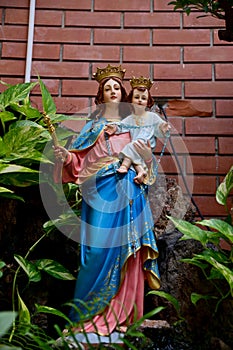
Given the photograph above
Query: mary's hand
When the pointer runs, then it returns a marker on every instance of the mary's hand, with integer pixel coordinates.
(61, 153)
(165, 127)
(110, 129)
(144, 150)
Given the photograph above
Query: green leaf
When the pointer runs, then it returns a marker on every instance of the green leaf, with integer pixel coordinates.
(27, 111)
(2, 148)
(23, 138)
(15, 93)
(223, 227)
(24, 314)
(58, 118)
(20, 179)
(224, 188)
(195, 261)
(215, 275)
(54, 269)
(196, 297)
(50, 310)
(168, 297)
(12, 168)
(190, 231)
(29, 268)
(6, 320)
(148, 315)
(49, 106)
(2, 264)
(7, 116)
(136, 334)
(5, 192)
(225, 271)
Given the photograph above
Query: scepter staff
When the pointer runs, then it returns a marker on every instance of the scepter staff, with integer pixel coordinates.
(53, 134)
(51, 129)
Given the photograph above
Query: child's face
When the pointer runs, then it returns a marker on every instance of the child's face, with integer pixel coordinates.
(140, 98)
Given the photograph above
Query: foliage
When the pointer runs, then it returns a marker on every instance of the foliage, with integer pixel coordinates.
(33, 272)
(23, 136)
(215, 261)
(171, 299)
(2, 264)
(34, 337)
(211, 7)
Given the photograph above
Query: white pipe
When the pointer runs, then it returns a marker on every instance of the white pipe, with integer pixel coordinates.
(30, 41)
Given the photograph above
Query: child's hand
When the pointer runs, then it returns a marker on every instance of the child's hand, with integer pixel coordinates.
(110, 129)
(165, 127)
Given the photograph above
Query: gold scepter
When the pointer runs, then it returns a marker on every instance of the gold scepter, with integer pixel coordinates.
(52, 132)
(51, 129)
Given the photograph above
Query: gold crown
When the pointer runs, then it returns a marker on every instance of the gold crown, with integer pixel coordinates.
(109, 71)
(141, 82)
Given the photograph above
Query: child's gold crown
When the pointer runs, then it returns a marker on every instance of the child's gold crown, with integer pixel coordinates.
(109, 71)
(141, 82)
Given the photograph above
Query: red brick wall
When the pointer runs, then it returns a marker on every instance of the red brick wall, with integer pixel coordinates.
(181, 53)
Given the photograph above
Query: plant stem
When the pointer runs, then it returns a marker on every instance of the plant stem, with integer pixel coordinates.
(14, 283)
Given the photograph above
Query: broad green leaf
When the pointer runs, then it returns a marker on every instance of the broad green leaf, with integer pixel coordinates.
(224, 188)
(225, 271)
(6, 320)
(13, 168)
(195, 261)
(168, 297)
(135, 333)
(5, 192)
(196, 297)
(54, 269)
(27, 111)
(24, 314)
(28, 158)
(24, 143)
(215, 275)
(2, 148)
(221, 226)
(29, 268)
(218, 255)
(23, 137)
(148, 315)
(2, 264)
(49, 106)
(190, 231)
(50, 310)
(20, 179)
(64, 219)
(26, 124)
(7, 116)
(15, 93)
(58, 118)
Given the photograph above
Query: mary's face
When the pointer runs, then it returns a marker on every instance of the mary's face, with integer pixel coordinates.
(112, 91)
